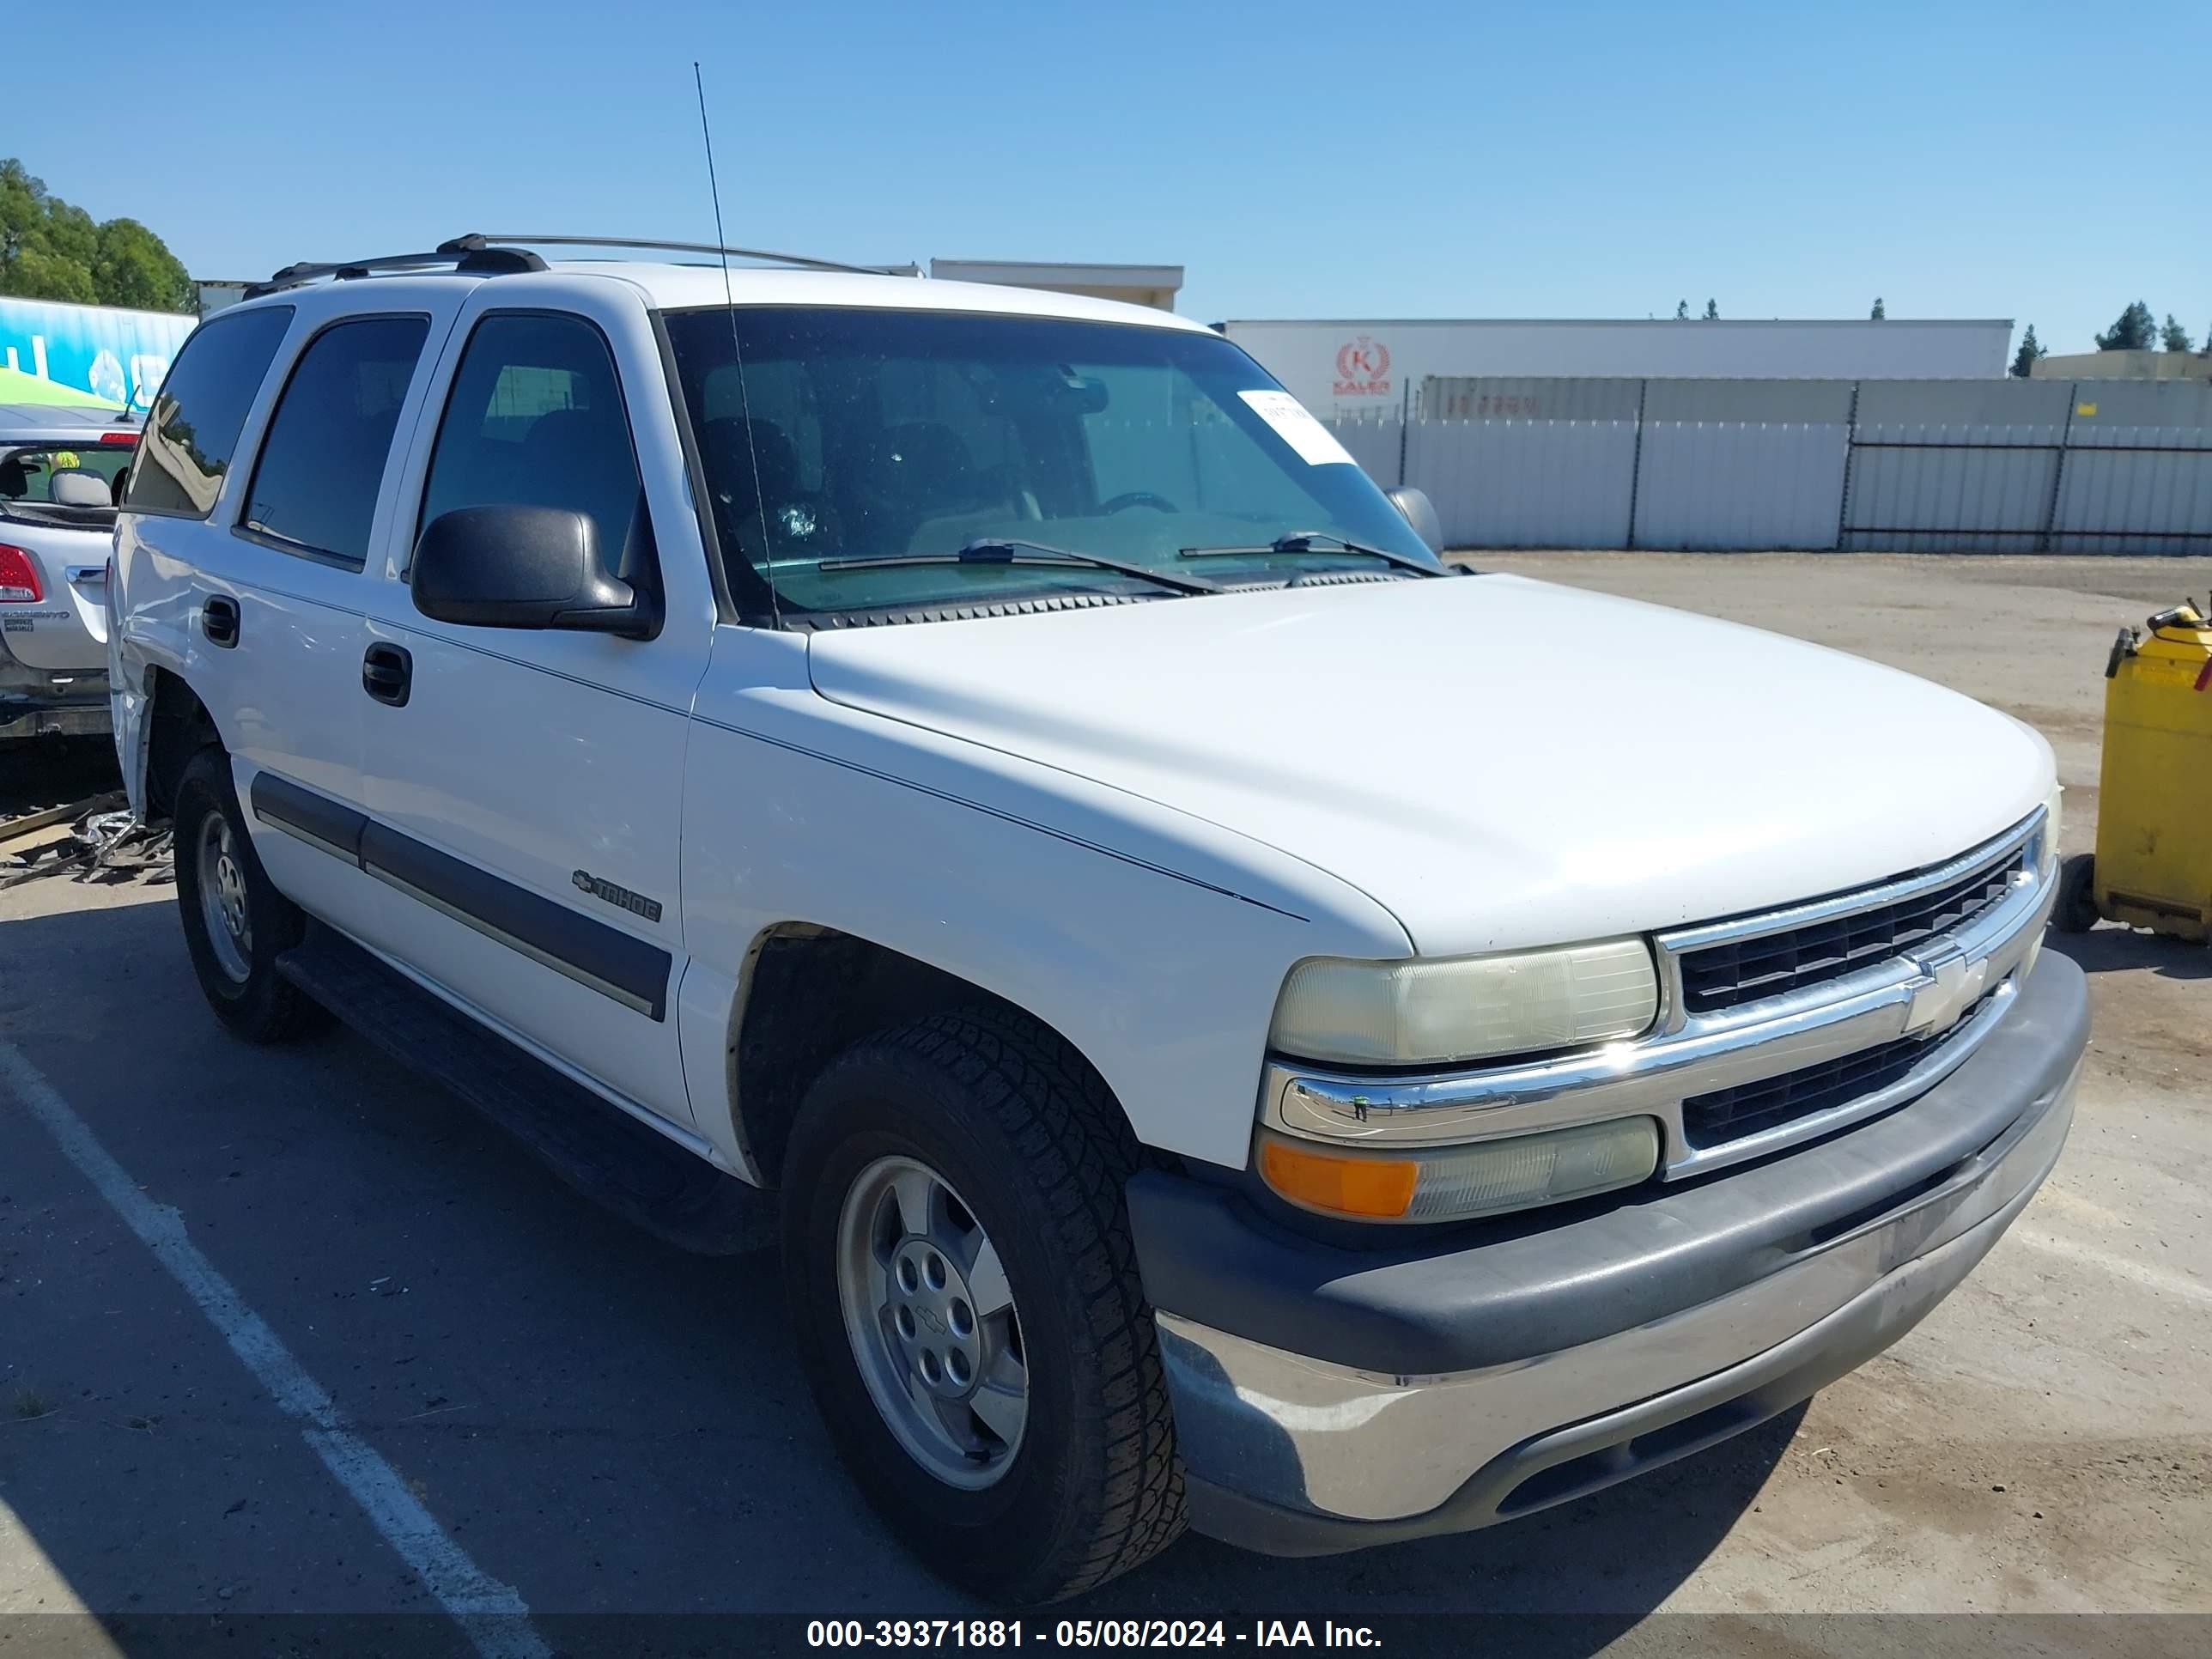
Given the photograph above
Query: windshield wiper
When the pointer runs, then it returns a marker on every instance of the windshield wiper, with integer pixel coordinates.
(1304, 541)
(996, 551)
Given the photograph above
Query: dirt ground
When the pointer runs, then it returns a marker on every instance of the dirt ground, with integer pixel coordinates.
(610, 1429)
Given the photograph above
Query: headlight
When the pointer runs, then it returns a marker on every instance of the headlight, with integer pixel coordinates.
(1456, 1183)
(1455, 1008)
(2050, 811)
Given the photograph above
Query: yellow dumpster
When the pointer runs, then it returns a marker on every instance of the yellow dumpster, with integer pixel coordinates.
(2153, 865)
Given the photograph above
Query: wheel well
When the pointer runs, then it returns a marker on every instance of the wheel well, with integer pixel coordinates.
(181, 727)
(808, 995)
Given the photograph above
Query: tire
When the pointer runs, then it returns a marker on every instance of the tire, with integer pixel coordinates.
(2075, 910)
(238, 976)
(1009, 1116)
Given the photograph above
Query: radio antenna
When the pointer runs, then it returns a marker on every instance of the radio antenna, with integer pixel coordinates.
(737, 354)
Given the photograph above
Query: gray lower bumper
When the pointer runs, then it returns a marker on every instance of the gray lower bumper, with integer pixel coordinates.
(1803, 1268)
(55, 719)
(33, 705)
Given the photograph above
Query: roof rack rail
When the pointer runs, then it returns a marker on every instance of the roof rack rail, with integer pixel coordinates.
(472, 255)
(478, 254)
(804, 261)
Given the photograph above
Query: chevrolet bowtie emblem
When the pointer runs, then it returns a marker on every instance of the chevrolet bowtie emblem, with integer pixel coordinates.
(1953, 986)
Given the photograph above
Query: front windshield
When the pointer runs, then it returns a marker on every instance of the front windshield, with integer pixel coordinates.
(866, 433)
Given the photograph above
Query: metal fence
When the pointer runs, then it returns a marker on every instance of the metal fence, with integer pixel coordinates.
(2088, 466)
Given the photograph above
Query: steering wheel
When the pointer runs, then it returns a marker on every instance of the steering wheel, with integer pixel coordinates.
(1138, 498)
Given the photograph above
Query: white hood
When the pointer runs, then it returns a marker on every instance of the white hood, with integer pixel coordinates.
(1498, 761)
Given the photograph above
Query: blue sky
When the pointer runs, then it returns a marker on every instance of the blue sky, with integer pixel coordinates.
(2042, 163)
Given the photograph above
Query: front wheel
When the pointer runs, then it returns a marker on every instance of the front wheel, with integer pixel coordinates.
(2074, 909)
(960, 1274)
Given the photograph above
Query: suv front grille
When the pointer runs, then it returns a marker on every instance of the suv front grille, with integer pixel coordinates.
(1726, 1114)
(1719, 976)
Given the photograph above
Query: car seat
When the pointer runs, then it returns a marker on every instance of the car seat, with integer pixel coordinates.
(78, 486)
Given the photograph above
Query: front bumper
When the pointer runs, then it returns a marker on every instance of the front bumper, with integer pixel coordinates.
(1328, 1399)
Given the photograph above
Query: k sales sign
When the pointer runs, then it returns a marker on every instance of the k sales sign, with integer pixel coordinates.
(1363, 369)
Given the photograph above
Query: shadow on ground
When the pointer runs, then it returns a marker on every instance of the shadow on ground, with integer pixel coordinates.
(610, 1426)
(2106, 948)
(54, 771)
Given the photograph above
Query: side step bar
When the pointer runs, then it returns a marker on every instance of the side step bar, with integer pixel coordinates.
(602, 1151)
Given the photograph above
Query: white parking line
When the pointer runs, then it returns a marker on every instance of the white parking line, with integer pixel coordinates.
(493, 1615)
(2162, 1279)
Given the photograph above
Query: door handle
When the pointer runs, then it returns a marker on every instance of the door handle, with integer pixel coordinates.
(219, 620)
(387, 674)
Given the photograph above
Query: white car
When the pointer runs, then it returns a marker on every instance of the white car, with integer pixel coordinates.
(59, 468)
(1251, 1027)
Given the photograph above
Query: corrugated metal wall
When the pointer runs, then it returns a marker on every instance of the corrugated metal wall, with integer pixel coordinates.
(1529, 463)
(1742, 464)
(1905, 465)
(1961, 466)
(2138, 476)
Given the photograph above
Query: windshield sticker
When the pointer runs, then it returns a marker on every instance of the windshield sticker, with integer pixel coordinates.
(1316, 444)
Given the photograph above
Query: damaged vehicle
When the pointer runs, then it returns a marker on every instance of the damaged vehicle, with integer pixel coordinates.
(1234, 1022)
(60, 470)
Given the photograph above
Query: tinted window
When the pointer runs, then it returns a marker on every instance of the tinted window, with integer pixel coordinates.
(322, 463)
(536, 419)
(202, 405)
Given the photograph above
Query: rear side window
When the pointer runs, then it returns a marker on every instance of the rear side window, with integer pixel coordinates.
(203, 404)
(315, 483)
(536, 419)
(40, 473)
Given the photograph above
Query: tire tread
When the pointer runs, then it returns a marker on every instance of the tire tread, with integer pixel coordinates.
(1065, 1126)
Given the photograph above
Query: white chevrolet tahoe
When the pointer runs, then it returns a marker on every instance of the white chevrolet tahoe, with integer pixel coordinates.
(1251, 1027)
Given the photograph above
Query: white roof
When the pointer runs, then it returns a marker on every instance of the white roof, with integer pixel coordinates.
(676, 287)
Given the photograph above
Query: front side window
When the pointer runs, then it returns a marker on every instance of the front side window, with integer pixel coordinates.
(315, 484)
(203, 404)
(536, 419)
(874, 433)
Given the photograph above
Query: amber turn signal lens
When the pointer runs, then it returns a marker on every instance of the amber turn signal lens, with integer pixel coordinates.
(1377, 1187)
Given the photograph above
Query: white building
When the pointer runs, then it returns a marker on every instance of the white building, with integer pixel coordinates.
(1353, 367)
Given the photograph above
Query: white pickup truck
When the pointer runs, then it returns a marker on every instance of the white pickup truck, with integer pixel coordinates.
(1251, 1027)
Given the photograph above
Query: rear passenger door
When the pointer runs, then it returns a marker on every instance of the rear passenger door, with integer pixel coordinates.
(277, 612)
(527, 793)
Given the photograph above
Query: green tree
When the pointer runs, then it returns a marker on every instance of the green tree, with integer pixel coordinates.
(1877, 315)
(131, 267)
(1712, 310)
(2134, 332)
(51, 249)
(2174, 336)
(1681, 311)
(2030, 349)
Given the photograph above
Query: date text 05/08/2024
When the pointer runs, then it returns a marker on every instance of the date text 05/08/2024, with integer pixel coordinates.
(1086, 1633)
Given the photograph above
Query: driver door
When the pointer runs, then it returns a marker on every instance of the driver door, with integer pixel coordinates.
(529, 781)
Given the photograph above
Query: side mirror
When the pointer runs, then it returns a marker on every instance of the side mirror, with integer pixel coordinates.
(522, 567)
(1420, 513)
